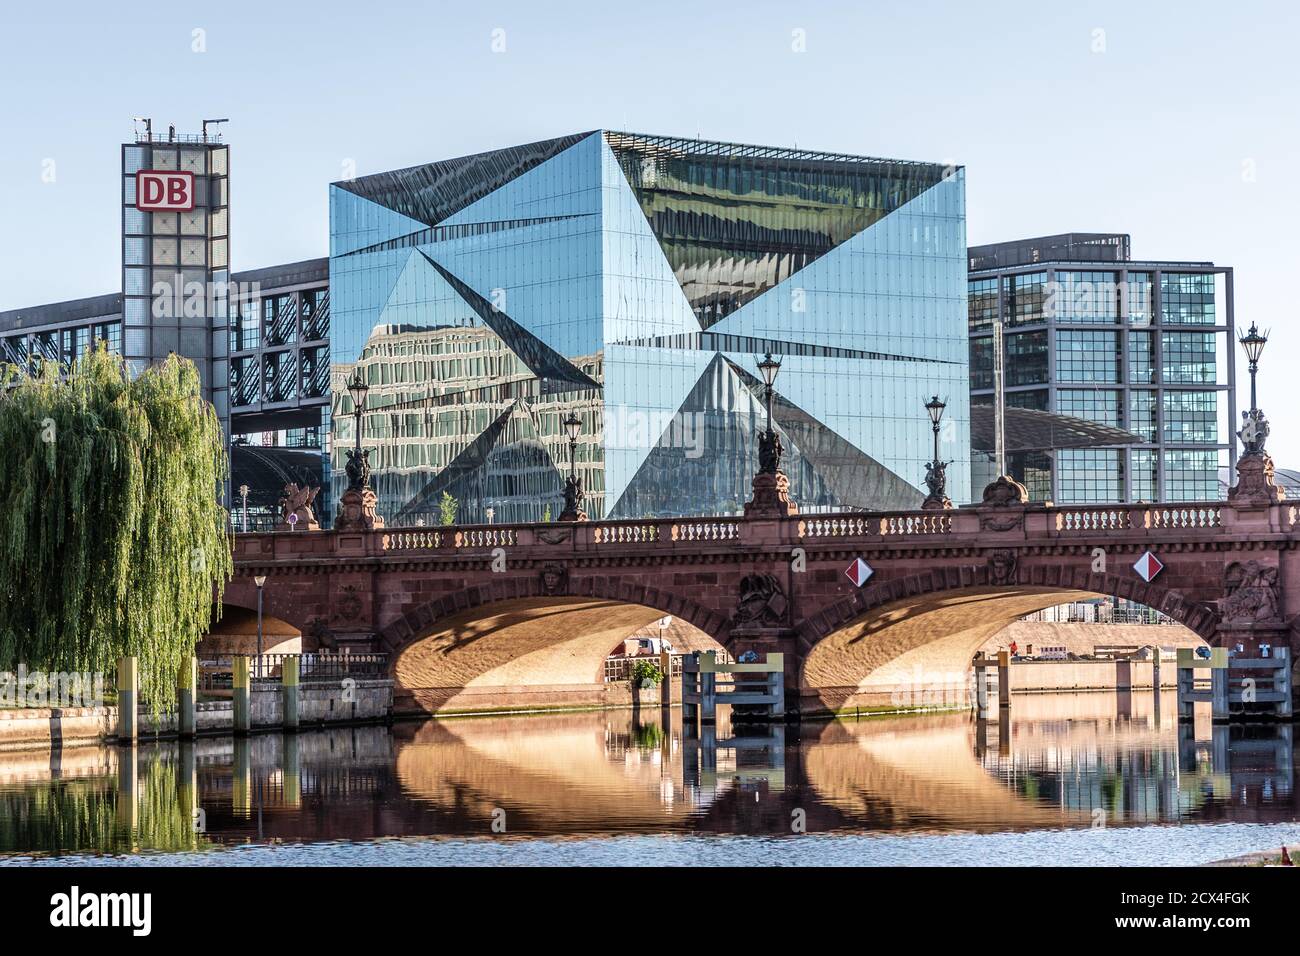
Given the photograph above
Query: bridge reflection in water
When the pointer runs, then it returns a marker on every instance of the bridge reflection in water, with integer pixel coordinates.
(1056, 761)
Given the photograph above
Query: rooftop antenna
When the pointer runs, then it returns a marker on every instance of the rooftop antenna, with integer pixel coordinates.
(212, 122)
(148, 127)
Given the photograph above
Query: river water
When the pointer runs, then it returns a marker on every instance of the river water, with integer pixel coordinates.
(1089, 779)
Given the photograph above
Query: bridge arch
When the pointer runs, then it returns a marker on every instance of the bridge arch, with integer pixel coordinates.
(235, 632)
(534, 642)
(922, 630)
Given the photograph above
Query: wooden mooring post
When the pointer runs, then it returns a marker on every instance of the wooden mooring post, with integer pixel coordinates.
(1238, 694)
(702, 691)
(988, 669)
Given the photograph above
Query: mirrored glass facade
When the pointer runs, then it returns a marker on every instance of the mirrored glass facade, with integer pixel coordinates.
(1167, 378)
(634, 280)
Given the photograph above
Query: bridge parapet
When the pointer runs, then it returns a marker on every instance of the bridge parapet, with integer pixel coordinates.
(972, 526)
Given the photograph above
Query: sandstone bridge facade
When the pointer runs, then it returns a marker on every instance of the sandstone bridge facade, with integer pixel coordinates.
(501, 616)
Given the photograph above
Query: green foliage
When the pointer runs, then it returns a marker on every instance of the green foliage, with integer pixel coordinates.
(112, 537)
(645, 670)
(447, 509)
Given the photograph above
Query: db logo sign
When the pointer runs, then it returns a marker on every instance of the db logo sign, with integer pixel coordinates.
(160, 190)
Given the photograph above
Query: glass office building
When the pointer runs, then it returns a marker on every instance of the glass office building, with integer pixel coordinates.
(634, 281)
(1144, 346)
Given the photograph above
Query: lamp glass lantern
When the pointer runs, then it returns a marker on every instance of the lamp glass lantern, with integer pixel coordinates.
(934, 407)
(573, 426)
(1253, 343)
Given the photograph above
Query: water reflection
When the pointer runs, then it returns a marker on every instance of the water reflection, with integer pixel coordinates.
(1054, 761)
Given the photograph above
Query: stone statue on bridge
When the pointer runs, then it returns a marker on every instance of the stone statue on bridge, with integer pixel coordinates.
(770, 451)
(1254, 432)
(936, 480)
(295, 509)
(357, 506)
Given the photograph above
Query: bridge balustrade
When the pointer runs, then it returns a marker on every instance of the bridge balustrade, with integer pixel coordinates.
(625, 532)
(708, 529)
(1185, 516)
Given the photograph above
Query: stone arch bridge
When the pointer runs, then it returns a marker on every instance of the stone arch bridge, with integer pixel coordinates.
(494, 616)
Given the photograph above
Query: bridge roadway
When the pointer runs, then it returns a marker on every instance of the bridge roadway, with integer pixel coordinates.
(498, 616)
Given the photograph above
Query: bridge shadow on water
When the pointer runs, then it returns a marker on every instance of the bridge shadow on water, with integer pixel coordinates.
(1054, 761)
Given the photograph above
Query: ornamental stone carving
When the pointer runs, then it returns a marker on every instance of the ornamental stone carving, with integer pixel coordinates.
(762, 602)
(555, 579)
(1002, 567)
(1252, 594)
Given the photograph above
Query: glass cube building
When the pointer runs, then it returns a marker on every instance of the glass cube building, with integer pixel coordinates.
(635, 281)
(1145, 346)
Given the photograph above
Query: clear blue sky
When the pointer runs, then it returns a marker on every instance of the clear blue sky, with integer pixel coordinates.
(1183, 131)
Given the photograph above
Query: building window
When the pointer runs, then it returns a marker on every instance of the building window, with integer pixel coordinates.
(982, 307)
(1090, 475)
(1145, 474)
(315, 315)
(1138, 298)
(315, 371)
(280, 320)
(1142, 414)
(1087, 356)
(1141, 358)
(1191, 475)
(1187, 298)
(1033, 469)
(1101, 405)
(1188, 358)
(1191, 417)
(245, 327)
(244, 382)
(1083, 297)
(1026, 359)
(1023, 297)
(981, 363)
(1029, 398)
(280, 376)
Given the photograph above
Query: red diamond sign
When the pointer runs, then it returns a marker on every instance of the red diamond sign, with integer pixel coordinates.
(859, 571)
(1148, 566)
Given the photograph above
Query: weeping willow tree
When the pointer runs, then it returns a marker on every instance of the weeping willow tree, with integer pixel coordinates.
(111, 534)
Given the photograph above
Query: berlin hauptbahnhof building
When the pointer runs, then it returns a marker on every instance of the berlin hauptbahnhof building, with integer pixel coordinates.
(632, 281)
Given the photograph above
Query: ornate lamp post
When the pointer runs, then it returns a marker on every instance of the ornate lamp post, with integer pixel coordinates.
(1254, 467)
(769, 447)
(243, 493)
(1253, 343)
(936, 472)
(573, 484)
(358, 389)
(357, 507)
(1254, 426)
(771, 486)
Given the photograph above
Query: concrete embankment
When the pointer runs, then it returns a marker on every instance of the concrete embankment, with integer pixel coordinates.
(367, 701)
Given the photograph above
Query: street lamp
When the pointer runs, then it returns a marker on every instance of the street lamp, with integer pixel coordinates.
(572, 486)
(936, 473)
(1253, 343)
(769, 447)
(934, 407)
(358, 389)
(243, 493)
(491, 513)
(260, 581)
